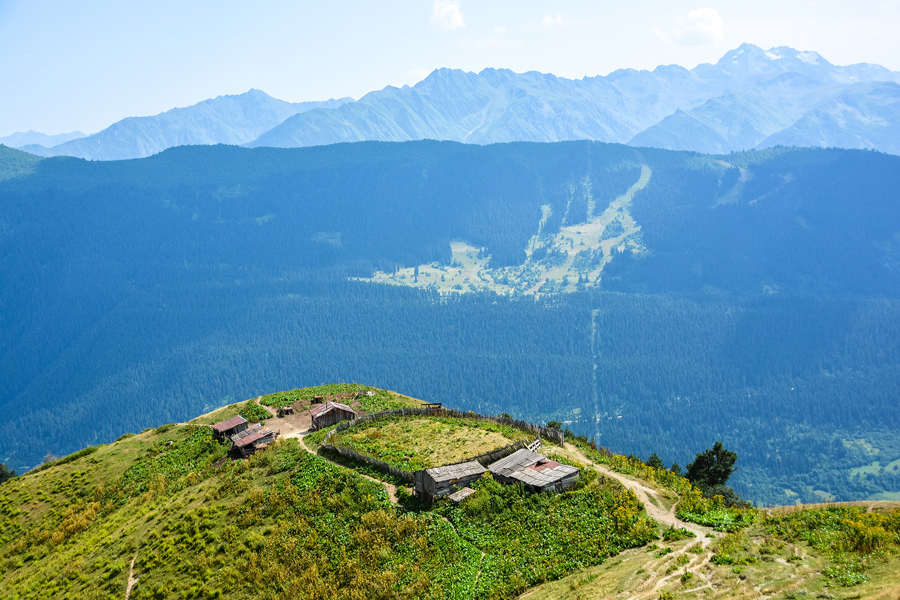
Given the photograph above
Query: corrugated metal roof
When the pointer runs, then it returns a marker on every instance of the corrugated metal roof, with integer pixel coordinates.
(457, 471)
(249, 431)
(318, 411)
(246, 441)
(531, 469)
(229, 423)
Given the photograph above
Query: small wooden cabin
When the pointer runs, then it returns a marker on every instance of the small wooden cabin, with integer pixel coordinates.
(255, 440)
(330, 413)
(230, 427)
(442, 481)
(534, 471)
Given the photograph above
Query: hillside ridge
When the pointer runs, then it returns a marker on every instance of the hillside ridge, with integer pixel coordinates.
(170, 512)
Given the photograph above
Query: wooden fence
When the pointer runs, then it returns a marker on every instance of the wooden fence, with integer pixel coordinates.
(554, 435)
(484, 459)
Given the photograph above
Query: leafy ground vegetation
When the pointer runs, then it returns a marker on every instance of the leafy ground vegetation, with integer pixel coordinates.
(421, 443)
(833, 551)
(170, 511)
(284, 524)
(374, 401)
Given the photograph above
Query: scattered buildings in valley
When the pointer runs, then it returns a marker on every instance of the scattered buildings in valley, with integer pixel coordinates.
(330, 413)
(536, 472)
(433, 483)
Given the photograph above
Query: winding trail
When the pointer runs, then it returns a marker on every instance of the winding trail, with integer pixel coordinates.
(131, 578)
(391, 489)
(657, 580)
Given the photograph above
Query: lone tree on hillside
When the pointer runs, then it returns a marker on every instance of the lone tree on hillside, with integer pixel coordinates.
(712, 467)
(6, 473)
(655, 462)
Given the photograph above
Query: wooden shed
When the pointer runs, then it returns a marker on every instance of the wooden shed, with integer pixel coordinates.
(442, 481)
(534, 471)
(330, 413)
(229, 427)
(253, 438)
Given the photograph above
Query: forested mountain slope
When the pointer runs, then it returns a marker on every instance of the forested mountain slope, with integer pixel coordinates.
(751, 298)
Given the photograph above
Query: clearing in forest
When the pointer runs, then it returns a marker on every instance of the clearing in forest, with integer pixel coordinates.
(556, 261)
(413, 443)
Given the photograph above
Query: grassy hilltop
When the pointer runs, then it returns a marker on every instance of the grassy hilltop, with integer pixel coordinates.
(167, 513)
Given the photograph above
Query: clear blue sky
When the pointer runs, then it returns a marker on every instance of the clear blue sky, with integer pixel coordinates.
(83, 64)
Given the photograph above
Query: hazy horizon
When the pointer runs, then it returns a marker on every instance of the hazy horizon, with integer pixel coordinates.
(85, 66)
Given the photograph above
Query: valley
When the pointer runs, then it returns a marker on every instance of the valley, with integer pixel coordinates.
(760, 308)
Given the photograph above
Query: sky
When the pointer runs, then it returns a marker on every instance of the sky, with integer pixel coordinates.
(82, 65)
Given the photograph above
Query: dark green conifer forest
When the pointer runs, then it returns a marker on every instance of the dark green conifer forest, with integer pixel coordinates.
(763, 313)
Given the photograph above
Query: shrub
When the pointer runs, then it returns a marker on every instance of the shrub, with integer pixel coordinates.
(674, 535)
(253, 412)
(846, 574)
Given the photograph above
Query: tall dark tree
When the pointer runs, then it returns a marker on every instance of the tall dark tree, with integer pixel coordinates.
(655, 462)
(5, 473)
(712, 467)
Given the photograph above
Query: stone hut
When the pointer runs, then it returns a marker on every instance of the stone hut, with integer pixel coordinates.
(534, 471)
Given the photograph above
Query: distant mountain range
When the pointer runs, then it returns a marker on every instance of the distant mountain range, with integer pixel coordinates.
(735, 104)
(751, 98)
(27, 138)
(223, 120)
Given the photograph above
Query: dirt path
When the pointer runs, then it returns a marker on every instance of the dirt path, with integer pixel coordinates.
(391, 489)
(478, 574)
(657, 580)
(131, 578)
(644, 493)
(297, 426)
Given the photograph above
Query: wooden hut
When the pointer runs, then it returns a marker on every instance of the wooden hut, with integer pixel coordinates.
(252, 439)
(442, 481)
(230, 427)
(330, 413)
(534, 471)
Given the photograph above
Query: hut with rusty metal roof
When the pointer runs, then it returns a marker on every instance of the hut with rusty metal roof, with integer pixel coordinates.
(330, 413)
(252, 439)
(435, 482)
(536, 472)
(230, 427)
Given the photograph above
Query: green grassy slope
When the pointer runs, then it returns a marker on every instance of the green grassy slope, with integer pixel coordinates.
(167, 514)
(169, 508)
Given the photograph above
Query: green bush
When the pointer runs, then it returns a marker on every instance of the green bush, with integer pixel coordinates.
(253, 412)
(674, 535)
